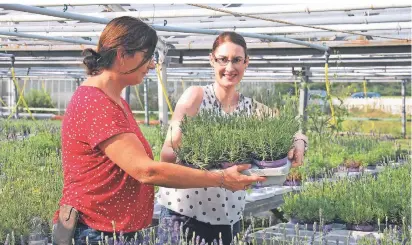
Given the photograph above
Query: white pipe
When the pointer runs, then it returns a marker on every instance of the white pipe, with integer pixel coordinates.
(307, 20)
(3, 55)
(25, 35)
(268, 30)
(304, 61)
(54, 28)
(50, 47)
(46, 62)
(247, 80)
(303, 34)
(292, 80)
(335, 44)
(197, 12)
(182, 72)
(228, 24)
(310, 57)
(298, 29)
(308, 36)
(271, 45)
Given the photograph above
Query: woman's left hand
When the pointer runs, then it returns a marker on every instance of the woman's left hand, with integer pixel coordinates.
(296, 154)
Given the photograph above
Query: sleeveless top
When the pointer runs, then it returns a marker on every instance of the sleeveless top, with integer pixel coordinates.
(213, 205)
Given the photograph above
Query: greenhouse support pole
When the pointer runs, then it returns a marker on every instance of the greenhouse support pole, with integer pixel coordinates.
(175, 89)
(303, 97)
(403, 109)
(146, 102)
(16, 91)
(163, 109)
(127, 96)
(77, 83)
(58, 96)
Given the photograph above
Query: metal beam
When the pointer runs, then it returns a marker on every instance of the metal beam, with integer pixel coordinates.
(303, 20)
(358, 49)
(194, 12)
(280, 50)
(311, 64)
(74, 16)
(44, 11)
(3, 55)
(59, 39)
(251, 65)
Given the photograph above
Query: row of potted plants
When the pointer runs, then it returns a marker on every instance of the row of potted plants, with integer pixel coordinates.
(360, 203)
(346, 153)
(15, 129)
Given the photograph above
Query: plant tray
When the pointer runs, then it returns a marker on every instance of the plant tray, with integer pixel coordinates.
(349, 237)
(285, 232)
(266, 192)
(274, 176)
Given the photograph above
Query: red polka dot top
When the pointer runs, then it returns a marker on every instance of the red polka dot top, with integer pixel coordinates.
(98, 188)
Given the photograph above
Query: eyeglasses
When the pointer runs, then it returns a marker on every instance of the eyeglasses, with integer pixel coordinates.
(223, 61)
(147, 54)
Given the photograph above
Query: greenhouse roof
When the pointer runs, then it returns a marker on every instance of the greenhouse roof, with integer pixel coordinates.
(366, 40)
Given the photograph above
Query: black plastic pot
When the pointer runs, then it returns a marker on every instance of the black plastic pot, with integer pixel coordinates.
(225, 165)
(270, 164)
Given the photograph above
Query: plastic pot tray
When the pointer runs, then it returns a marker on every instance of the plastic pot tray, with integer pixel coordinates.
(274, 176)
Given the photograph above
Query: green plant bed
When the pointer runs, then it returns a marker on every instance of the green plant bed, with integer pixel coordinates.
(367, 200)
(31, 184)
(328, 153)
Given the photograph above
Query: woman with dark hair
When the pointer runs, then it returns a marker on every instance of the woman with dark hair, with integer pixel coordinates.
(108, 166)
(210, 211)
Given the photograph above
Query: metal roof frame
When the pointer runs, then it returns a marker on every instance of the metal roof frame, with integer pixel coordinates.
(189, 51)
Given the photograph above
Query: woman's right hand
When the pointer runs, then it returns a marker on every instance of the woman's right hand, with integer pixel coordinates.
(234, 180)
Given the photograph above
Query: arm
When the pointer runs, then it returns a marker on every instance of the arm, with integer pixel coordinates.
(188, 104)
(128, 153)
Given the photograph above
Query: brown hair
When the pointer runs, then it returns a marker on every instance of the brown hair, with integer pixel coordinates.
(127, 32)
(232, 37)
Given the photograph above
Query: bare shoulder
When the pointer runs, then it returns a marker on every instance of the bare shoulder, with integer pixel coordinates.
(190, 101)
(191, 94)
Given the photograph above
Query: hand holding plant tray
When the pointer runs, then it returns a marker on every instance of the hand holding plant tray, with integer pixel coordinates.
(270, 139)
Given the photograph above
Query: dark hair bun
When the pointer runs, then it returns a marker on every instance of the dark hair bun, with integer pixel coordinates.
(91, 61)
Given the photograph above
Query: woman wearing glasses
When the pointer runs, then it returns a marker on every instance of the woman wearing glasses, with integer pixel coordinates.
(210, 211)
(108, 166)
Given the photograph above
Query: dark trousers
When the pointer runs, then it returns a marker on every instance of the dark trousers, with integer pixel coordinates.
(94, 236)
(172, 224)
